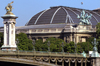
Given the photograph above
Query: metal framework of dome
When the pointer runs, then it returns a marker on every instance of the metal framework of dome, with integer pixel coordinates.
(61, 15)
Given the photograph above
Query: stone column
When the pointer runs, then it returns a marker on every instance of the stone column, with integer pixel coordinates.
(81, 62)
(34, 58)
(62, 62)
(65, 39)
(96, 61)
(85, 62)
(68, 38)
(56, 61)
(30, 37)
(69, 62)
(13, 33)
(71, 37)
(5, 35)
(44, 39)
(74, 37)
(77, 39)
(49, 60)
(9, 32)
(75, 62)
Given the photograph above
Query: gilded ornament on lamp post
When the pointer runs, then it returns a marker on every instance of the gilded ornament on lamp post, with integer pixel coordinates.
(9, 8)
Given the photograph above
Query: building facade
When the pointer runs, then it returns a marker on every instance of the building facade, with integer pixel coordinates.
(60, 22)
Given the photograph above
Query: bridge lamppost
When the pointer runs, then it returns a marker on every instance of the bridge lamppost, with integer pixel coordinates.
(17, 41)
(75, 47)
(95, 50)
(48, 46)
(33, 45)
(62, 46)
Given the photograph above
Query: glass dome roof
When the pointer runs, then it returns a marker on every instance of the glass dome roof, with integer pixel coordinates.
(62, 15)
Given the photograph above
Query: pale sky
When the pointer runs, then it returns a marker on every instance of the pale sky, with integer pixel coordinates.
(25, 9)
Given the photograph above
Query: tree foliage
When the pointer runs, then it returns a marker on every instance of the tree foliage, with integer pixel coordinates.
(40, 46)
(24, 42)
(1, 39)
(98, 36)
(55, 44)
(98, 45)
(98, 30)
(84, 46)
(70, 47)
(90, 39)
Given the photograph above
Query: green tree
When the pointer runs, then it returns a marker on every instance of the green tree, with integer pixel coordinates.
(98, 36)
(55, 44)
(98, 30)
(70, 47)
(24, 43)
(84, 46)
(40, 46)
(79, 48)
(90, 39)
(1, 39)
(98, 45)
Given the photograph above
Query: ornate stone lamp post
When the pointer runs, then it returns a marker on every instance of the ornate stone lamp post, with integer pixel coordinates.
(48, 46)
(9, 20)
(62, 46)
(33, 45)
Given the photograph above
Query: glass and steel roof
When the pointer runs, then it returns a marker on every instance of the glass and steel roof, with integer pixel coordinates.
(62, 15)
(43, 26)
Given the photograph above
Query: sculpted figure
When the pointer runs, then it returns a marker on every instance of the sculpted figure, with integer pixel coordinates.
(87, 17)
(9, 8)
(84, 18)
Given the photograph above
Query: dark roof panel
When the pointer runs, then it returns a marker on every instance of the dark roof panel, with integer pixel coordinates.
(33, 19)
(61, 15)
(46, 17)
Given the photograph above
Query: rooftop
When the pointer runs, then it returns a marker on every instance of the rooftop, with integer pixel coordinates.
(62, 15)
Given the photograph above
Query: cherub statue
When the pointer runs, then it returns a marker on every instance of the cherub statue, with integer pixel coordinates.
(9, 8)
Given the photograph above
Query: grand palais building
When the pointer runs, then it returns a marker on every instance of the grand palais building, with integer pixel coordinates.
(60, 22)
